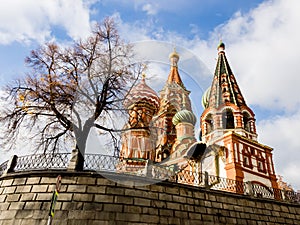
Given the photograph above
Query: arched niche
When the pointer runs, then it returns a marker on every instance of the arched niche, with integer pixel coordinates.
(227, 119)
(246, 121)
(209, 123)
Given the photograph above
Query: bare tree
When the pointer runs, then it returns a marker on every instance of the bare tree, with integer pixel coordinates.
(71, 90)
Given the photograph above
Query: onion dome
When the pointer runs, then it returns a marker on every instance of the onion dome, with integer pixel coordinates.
(184, 116)
(174, 55)
(174, 58)
(205, 98)
(142, 93)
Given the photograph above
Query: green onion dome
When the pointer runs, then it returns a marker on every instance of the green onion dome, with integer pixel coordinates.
(184, 116)
(205, 98)
(221, 46)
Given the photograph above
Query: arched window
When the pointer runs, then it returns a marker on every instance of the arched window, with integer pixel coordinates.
(165, 154)
(228, 119)
(209, 124)
(246, 121)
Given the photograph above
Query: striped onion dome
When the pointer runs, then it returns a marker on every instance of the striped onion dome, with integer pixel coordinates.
(142, 93)
(184, 116)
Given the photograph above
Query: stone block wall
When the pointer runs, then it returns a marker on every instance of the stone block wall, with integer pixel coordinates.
(90, 198)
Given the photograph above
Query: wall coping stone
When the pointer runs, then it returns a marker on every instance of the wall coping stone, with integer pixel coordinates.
(131, 180)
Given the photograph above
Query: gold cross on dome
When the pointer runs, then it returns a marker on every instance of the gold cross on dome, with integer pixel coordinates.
(143, 75)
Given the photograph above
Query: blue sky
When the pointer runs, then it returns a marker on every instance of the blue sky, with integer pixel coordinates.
(261, 45)
(179, 16)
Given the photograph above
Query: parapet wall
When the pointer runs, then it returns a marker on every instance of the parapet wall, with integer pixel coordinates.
(90, 198)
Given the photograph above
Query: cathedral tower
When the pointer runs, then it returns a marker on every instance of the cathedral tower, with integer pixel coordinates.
(174, 97)
(138, 142)
(229, 130)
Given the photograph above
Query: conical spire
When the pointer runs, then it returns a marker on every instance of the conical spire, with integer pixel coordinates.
(224, 88)
(174, 76)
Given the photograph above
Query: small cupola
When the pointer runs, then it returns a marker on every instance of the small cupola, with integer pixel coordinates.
(221, 47)
(174, 58)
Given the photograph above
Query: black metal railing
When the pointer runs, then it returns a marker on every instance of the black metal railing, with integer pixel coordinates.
(42, 161)
(219, 183)
(291, 196)
(3, 167)
(97, 162)
(264, 192)
(189, 177)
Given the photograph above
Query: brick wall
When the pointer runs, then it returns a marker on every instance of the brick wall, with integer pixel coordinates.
(90, 198)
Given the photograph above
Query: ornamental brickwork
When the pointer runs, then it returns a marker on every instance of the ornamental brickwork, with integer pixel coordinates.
(161, 129)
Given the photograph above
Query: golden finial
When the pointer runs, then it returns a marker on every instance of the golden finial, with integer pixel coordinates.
(174, 57)
(144, 66)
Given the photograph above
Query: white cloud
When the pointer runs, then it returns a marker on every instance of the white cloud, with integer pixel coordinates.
(133, 32)
(194, 28)
(263, 53)
(155, 43)
(31, 20)
(150, 9)
(262, 47)
(281, 133)
(23, 145)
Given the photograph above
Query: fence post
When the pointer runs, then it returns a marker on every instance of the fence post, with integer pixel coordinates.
(283, 194)
(11, 164)
(74, 160)
(206, 180)
(249, 188)
(148, 168)
(280, 194)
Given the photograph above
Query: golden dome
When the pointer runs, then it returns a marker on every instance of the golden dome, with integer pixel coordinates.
(174, 54)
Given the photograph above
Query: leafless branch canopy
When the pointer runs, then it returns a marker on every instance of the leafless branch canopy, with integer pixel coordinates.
(70, 90)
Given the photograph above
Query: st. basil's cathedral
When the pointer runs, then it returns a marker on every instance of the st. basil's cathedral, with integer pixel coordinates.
(161, 129)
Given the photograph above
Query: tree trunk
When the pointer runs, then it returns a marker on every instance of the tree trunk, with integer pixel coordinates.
(81, 139)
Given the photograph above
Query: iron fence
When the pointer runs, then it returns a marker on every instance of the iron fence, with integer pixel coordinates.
(265, 192)
(3, 167)
(225, 184)
(291, 196)
(189, 177)
(42, 161)
(97, 162)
